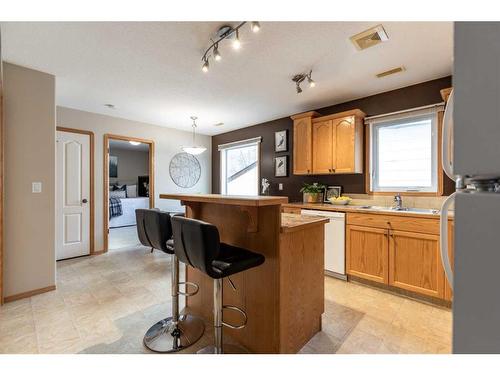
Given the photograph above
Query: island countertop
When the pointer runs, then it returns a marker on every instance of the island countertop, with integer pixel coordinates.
(234, 200)
(294, 222)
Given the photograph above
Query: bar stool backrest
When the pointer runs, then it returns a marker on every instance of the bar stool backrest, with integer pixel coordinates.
(154, 228)
(196, 243)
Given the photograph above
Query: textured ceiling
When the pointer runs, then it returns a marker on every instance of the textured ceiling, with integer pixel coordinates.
(151, 71)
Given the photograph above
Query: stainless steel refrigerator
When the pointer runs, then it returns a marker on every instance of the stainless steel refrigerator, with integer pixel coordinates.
(471, 154)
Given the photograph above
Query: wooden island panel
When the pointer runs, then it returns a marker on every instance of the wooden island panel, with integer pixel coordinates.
(257, 289)
(302, 286)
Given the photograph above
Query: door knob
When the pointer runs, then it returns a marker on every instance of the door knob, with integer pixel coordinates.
(84, 200)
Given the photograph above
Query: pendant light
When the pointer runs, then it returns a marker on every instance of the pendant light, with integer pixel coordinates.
(194, 150)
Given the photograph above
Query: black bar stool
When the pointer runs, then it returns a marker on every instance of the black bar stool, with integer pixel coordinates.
(198, 244)
(175, 332)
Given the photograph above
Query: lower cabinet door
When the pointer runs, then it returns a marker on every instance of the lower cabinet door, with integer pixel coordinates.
(367, 253)
(448, 293)
(415, 263)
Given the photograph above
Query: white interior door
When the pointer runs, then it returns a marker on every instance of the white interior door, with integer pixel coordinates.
(73, 188)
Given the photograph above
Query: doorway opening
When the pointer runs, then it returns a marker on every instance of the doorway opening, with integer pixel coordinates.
(128, 185)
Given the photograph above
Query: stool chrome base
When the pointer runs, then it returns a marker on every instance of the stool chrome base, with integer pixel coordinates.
(226, 349)
(163, 337)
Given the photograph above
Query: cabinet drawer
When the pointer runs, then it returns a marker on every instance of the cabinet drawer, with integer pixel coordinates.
(291, 210)
(404, 223)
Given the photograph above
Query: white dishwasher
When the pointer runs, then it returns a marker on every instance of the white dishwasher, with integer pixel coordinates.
(334, 242)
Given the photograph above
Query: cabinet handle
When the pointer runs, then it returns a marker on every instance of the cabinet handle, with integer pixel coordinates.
(333, 170)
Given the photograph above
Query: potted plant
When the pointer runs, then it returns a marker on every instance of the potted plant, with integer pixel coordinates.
(313, 193)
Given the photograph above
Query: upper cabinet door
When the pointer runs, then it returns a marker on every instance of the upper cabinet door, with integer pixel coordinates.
(345, 137)
(323, 147)
(302, 146)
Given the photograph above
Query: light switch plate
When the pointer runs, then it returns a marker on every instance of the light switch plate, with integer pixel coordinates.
(36, 187)
(280, 186)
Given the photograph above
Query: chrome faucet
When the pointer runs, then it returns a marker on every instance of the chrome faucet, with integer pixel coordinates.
(398, 202)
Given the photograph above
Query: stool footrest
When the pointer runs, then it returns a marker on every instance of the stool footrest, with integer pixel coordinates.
(234, 308)
(189, 283)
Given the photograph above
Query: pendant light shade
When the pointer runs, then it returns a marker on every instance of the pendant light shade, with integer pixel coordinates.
(194, 150)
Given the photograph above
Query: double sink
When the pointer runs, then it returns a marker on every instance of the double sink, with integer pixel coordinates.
(404, 209)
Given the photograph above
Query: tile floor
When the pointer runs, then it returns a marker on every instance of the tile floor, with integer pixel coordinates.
(123, 237)
(105, 304)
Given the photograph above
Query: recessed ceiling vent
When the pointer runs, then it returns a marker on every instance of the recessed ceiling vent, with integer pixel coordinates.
(369, 38)
(399, 69)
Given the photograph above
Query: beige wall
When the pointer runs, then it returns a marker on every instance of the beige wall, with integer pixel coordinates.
(29, 100)
(168, 142)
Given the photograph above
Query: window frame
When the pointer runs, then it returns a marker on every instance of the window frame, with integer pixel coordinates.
(223, 160)
(437, 119)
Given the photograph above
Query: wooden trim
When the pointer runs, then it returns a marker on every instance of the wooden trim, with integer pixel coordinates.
(105, 168)
(29, 293)
(353, 112)
(2, 140)
(445, 93)
(92, 180)
(440, 173)
(305, 114)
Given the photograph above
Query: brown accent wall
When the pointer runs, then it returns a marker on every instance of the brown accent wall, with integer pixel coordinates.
(408, 97)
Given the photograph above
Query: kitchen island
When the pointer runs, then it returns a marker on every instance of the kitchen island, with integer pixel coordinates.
(284, 297)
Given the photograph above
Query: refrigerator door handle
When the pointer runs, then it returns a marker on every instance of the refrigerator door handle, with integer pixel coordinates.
(446, 149)
(443, 238)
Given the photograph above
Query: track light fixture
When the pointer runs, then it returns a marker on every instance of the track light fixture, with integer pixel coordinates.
(299, 78)
(225, 32)
(255, 26)
(205, 66)
(217, 56)
(236, 41)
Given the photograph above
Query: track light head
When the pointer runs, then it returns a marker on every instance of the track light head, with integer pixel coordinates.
(299, 90)
(205, 66)
(255, 26)
(310, 80)
(217, 55)
(236, 41)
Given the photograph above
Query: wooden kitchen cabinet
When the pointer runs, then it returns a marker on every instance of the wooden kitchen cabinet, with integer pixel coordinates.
(411, 249)
(348, 149)
(291, 210)
(448, 293)
(302, 143)
(323, 141)
(330, 144)
(367, 253)
(415, 263)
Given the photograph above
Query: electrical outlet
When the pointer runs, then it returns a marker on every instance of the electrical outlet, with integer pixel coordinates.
(36, 187)
(280, 186)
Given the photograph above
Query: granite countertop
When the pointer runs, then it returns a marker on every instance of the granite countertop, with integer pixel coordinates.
(354, 208)
(233, 200)
(293, 222)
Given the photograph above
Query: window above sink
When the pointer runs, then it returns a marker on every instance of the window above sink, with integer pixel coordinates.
(404, 152)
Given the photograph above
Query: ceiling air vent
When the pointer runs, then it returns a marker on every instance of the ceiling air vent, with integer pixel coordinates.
(399, 69)
(369, 38)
